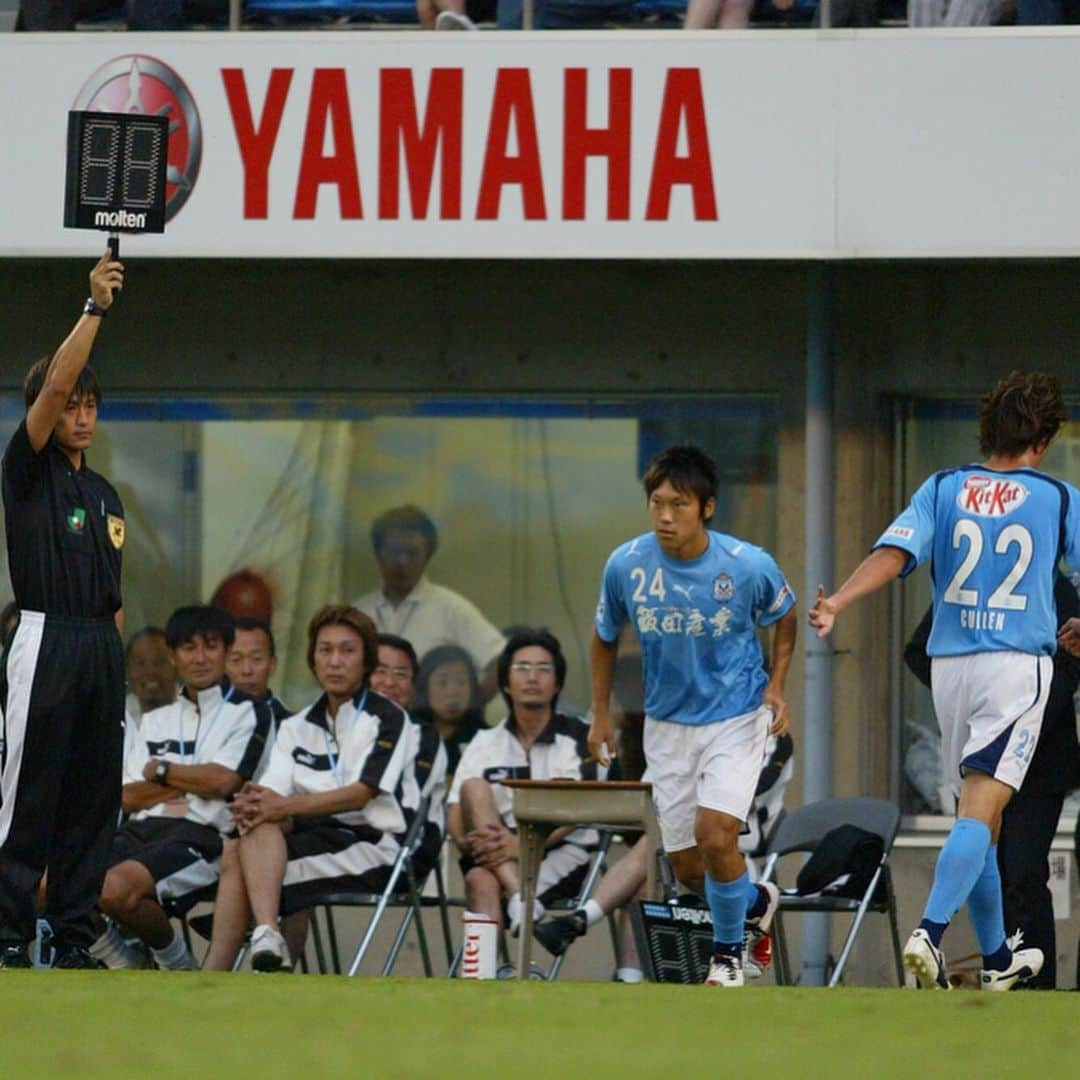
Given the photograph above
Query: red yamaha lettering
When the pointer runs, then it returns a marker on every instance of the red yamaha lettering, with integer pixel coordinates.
(400, 131)
(406, 138)
(256, 144)
(329, 105)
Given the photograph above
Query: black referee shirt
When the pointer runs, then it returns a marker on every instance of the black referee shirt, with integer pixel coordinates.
(65, 532)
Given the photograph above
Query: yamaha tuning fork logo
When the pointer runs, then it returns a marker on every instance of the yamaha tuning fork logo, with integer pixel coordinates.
(148, 87)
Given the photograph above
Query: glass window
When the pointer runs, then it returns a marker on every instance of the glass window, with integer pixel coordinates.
(275, 500)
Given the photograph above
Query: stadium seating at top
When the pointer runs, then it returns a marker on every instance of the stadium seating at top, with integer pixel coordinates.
(359, 14)
(562, 14)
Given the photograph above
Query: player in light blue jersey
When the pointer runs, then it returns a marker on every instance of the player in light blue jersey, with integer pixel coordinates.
(994, 534)
(696, 598)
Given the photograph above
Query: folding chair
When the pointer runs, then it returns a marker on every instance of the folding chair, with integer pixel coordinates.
(802, 830)
(596, 869)
(395, 894)
(597, 865)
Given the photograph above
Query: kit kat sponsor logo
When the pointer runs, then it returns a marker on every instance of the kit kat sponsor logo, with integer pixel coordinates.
(990, 496)
(148, 87)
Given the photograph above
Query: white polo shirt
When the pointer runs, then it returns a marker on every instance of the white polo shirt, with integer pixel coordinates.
(222, 726)
(433, 615)
(560, 752)
(368, 741)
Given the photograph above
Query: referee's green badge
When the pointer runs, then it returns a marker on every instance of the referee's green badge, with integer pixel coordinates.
(76, 520)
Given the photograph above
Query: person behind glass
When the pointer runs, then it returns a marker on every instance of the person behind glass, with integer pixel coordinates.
(62, 675)
(408, 604)
(534, 742)
(189, 758)
(251, 664)
(1029, 822)
(324, 816)
(447, 696)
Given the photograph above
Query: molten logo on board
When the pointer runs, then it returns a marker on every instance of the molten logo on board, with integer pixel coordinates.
(991, 496)
(144, 85)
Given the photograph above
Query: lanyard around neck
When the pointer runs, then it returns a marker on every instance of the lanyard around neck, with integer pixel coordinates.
(205, 735)
(339, 777)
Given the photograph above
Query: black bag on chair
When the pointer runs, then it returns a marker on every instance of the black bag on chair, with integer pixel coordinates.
(842, 864)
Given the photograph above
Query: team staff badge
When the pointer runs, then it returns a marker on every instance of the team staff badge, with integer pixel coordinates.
(116, 531)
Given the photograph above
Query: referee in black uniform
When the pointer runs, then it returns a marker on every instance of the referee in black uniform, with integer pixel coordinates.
(62, 682)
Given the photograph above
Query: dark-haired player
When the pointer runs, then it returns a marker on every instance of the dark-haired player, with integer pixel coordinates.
(696, 598)
(62, 683)
(994, 533)
(189, 758)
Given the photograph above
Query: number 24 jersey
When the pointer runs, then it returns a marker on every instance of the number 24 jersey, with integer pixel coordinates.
(994, 540)
(696, 620)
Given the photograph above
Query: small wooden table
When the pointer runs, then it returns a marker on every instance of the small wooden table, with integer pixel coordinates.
(542, 806)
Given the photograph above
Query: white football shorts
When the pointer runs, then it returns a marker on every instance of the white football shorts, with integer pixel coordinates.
(715, 766)
(990, 707)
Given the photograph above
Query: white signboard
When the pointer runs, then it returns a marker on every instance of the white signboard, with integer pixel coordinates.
(568, 145)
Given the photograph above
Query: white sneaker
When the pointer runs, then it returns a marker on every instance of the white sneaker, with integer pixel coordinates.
(452, 20)
(757, 941)
(725, 970)
(764, 921)
(757, 952)
(1026, 964)
(925, 961)
(268, 950)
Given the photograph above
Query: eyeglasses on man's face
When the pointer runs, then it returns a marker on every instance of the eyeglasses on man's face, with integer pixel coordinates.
(527, 667)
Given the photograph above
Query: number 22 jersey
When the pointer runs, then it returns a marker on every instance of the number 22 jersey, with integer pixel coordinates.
(994, 540)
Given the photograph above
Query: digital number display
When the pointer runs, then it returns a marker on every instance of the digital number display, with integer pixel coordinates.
(674, 949)
(116, 169)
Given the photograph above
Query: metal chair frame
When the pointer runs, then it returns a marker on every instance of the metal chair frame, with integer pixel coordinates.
(391, 896)
(801, 831)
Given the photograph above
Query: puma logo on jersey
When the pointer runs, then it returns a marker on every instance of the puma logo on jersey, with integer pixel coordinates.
(685, 590)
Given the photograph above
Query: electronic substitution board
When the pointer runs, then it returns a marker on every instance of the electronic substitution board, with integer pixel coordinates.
(674, 940)
(116, 168)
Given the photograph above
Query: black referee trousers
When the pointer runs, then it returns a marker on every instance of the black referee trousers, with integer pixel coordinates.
(62, 694)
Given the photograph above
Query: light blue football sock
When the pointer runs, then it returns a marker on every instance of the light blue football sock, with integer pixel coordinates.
(727, 903)
(959, 866)
(986, 909)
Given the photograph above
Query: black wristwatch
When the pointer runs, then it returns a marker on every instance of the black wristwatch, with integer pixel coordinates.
(161, 771)
(92, 307)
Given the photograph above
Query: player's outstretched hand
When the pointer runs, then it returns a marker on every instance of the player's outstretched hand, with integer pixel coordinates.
(106, 279)
(602, 739)
(822, 615)
(1069, 637)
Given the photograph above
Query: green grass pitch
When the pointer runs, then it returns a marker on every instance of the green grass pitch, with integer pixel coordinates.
(154, 1025)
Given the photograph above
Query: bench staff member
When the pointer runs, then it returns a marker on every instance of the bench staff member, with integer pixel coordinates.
(62, 682)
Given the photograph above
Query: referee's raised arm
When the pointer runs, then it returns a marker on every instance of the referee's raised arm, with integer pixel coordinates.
(62, 673)
(71, 357)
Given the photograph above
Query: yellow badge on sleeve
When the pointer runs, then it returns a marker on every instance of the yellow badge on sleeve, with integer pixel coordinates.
(116, 531)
